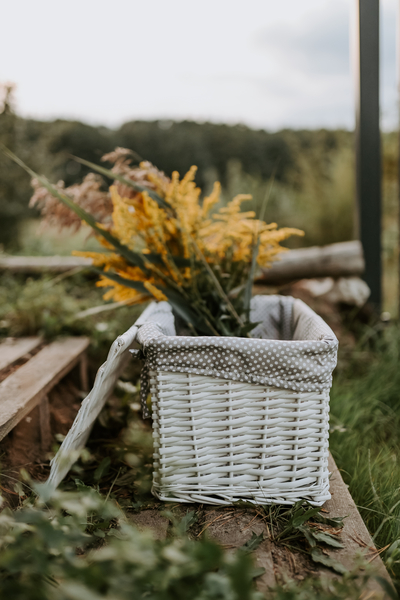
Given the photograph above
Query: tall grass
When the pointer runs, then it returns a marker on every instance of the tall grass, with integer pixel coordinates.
(319, 202)
(365, 436)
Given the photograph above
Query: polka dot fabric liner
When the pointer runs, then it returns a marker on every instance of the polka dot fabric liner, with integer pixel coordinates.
(291, 348)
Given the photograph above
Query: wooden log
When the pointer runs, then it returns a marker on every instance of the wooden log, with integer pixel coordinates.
(344, 259)
(42, 264)
(25, 388)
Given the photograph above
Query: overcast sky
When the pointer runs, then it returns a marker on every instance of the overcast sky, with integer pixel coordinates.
(266, 63)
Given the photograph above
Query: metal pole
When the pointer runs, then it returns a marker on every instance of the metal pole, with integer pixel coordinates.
(398, 163)
(368, 145)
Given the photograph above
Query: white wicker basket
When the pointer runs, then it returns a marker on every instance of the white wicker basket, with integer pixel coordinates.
(218, 440)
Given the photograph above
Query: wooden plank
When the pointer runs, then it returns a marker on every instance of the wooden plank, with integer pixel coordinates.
(40, 264)
(12, 349)
(25, 388)
(344, 259)
(355, 535)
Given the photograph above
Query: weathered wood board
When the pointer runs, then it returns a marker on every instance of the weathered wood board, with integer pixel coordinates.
(355, 535)
(12, 349)
(21, 391)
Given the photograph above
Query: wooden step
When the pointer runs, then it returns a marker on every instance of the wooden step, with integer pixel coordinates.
(24, 389)
(12, 349)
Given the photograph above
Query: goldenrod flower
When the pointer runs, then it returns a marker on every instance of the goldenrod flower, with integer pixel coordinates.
(225, 238)
(158, 295)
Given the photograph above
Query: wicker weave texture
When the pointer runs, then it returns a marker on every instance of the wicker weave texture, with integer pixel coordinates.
(219, 441)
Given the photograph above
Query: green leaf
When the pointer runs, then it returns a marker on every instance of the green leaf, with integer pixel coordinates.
(299, 517)
(253, 543)
(302, 518)
(102, 468)
(188, 520)
(308, 535)
(82, 487)
(115, 176)
(247, 328)
(327, 538)
(332, 521)
(103, 525)
(319, 557)
(99, 533)
(393, 548)
(387, 587)
(181, 307)
(257, 572)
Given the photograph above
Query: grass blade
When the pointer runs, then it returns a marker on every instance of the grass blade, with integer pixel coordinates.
(253, 543)
(217, 284)
(180, 305)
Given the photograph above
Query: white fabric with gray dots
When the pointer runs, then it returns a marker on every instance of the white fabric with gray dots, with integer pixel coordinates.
(291, 348)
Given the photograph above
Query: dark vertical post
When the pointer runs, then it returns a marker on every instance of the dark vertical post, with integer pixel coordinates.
(368, 147)
(398, 166)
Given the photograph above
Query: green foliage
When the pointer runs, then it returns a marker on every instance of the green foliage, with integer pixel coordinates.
(365, 434)
(351, 586)
(76, 545)
(81, 545)
(49, 306)
(209, 146)
(304, 528)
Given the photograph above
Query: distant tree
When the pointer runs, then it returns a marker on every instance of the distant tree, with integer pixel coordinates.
(177, 146)
(314, 189)
(10, 209)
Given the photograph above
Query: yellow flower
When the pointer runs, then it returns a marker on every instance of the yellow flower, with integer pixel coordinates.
(121, 293)
(226, 238)
(158, 295)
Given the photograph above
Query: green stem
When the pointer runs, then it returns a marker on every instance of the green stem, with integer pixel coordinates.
(217, 284)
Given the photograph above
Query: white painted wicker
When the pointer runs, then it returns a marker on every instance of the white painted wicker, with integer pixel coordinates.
(218, 440)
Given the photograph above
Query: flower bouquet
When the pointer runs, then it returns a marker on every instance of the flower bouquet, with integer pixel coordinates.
(163, 241)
